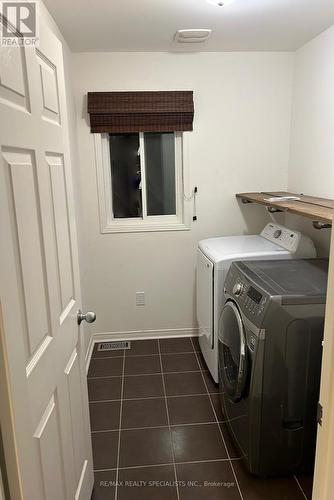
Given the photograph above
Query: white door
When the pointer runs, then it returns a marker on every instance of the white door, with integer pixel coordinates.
(39, 284)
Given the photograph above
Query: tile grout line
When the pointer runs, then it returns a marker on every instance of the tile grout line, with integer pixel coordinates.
(217, 421)
(100, 431)
(120, 427)
(169, 426)
(198, 394)
(300, 487)
(130, 467)
(146, 374)
(141, 355)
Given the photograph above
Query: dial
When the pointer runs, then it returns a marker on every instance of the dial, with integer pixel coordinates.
(277, 233)
(238, 289)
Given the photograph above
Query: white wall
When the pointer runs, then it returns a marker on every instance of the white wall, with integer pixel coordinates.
(240, 143)
(311, 166)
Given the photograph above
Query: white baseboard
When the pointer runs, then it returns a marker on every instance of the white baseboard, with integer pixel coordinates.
(137, 335)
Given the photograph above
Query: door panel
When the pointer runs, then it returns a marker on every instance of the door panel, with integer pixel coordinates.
(72, 372)
(48, 440)
(22, 191)
(13, 78)
(62, 232)
(48, 73)
(39, 283)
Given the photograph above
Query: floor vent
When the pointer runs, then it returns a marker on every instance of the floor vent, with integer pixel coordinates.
(114, 346)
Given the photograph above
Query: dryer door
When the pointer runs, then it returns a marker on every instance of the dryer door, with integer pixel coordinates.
(232, 351)
(205, 298)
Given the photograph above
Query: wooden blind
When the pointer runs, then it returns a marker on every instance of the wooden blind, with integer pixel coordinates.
(129, 112)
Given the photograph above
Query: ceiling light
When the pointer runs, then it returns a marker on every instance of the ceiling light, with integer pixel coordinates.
(192, 36)
(220, 3)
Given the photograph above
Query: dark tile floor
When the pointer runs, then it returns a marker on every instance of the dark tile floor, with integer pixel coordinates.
(158, 431)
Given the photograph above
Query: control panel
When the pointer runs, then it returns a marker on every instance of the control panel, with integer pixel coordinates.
(249, 298)
(254, 301)
(282, 236)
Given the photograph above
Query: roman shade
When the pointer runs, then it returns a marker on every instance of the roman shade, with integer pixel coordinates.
(130, 112)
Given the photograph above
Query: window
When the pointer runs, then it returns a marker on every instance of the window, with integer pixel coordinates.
(141, 169)
(131, 187)
(141, 182)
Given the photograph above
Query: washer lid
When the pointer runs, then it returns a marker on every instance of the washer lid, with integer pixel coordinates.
(239, 247)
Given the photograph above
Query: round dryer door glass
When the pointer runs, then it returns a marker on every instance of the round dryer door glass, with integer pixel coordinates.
(232, 351)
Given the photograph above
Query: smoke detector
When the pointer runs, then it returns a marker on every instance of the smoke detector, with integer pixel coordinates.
(220, 3)
(192, 36)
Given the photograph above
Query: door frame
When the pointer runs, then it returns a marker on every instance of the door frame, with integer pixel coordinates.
(324, 466)
(7, 424)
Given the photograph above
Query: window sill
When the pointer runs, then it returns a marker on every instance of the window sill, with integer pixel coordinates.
(144, 227)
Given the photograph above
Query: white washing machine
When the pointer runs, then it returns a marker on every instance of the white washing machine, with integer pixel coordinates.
(214, 257)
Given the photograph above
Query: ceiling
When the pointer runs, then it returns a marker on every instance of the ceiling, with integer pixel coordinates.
(150, 25)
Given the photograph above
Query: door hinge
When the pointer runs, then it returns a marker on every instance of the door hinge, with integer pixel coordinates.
(319, 414)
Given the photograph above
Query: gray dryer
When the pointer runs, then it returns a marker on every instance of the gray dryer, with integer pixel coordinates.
(270, 349)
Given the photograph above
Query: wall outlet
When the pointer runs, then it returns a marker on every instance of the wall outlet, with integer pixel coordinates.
(140, 298)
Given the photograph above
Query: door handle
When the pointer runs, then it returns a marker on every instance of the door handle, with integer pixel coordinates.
(90, 317)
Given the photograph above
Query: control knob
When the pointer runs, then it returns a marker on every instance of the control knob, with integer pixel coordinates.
(238, 289)
(277, 233)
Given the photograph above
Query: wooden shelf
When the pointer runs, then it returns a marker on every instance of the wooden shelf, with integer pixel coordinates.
(319, 210)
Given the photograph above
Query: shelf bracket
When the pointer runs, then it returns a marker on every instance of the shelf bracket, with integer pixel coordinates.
(321, 225)
(273, 210)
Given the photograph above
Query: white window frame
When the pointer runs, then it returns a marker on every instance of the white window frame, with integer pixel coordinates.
(178, 222)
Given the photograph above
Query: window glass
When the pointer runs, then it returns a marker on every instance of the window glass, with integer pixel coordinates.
(126, 175)
(160, 173)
